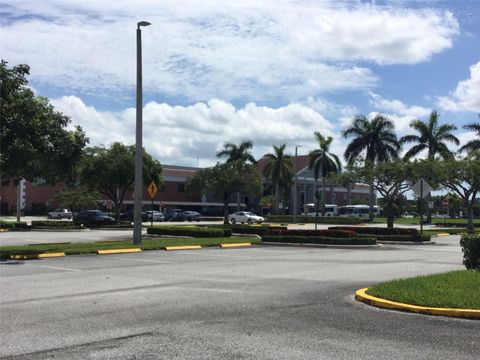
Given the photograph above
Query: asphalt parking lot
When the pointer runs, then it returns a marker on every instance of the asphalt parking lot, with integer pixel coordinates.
(250, 303)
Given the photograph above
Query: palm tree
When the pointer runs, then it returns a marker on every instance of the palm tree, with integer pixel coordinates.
(323, 162)
(376, 138)
(431, 137)
(473, 145)
(279, 170)
(240, 152)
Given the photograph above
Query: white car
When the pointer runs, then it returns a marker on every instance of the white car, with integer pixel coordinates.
(245, 217)
(60, 214)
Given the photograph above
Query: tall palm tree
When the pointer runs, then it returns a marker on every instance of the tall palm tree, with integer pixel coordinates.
(323, 162)
(241, 152)
(472, 145)
(279, 170)
(376, 138)
(431, 137)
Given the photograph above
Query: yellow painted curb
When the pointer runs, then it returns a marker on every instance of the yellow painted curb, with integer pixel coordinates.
(186, 247)
(235, 245)
(4, 230)
(362, 296)
(118, 251)
(443, 234)
(50, 255)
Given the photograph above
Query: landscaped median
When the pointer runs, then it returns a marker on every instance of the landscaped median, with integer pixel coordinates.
(455, 293)
(33, 251)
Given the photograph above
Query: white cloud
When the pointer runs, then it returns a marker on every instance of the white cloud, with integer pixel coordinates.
(397, 111)
(251, 50)
(466, 96)
(178, 134)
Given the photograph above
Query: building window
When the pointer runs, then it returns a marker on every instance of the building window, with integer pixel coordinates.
(181, 188)
(162, 188)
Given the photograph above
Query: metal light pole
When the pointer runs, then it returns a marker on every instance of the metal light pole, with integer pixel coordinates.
(138, 188)
(295, 186)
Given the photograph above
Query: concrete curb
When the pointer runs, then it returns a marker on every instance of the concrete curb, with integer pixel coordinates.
(406, 242)
(118, 251)
(323, 245)
(232, 245)
(362, 296)
(36, 256)
(186, 247)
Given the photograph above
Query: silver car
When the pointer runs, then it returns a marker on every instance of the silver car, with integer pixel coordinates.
(245, 217)
(60, 214)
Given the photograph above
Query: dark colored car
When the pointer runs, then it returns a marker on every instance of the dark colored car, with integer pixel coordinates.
(92, 217)
(192, 216)
(174, 215)
(129, 215)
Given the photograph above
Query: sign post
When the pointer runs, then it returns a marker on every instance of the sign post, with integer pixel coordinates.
(421, 188)
(152, 190)
(446, 204)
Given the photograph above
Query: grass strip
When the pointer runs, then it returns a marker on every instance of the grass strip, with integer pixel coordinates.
(455, 289)
(93, 247)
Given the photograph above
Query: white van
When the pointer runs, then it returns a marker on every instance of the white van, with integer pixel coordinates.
(330, 210)
(358, 211)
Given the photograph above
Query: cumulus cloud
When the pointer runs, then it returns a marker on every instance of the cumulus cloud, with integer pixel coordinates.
(180, 134)
(248, 50)
(466, 96)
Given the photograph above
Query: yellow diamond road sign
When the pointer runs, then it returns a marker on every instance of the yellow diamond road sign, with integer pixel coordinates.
(152, 189)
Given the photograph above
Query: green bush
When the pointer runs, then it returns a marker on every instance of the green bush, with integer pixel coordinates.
(455, 224)
(377, 230)
(324, 233)
(319, 240)
(413, 238)
(52, 224)
(247, 229)
(470, 244)
(350, 220)
(16, 225)
(201, 232)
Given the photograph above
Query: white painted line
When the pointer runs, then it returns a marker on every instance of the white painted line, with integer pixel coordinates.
(145, 260)
(54, 267)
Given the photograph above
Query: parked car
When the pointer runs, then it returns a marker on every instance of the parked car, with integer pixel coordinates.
(156, 215)
(192, 216)
(245, 217)
(174, 215)
(92, 217)
(60, 214)
(129, 215)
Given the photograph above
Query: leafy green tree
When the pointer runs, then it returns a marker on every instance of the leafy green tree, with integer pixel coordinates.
(111, 172)
(431, 137)
(241, 152)
(77, 199)
(279, 170)
(35, 142)
(376, 138)
(223, 180)
(323, 163)
(472, 145)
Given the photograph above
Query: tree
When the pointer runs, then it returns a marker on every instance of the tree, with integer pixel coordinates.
(323, 162)
(431, 137)
(472, 145)
(77, 199)
(111, 172)
(462, 177)
(279, 170)
(223, 180)
(241, 152)
(35, 142)
(374, 137)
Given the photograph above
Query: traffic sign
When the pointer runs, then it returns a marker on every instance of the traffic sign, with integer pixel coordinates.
(445, 203)
(152, 189)
(421, 188)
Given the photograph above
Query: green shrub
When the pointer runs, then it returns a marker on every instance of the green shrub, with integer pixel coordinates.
(201, 232)
(246, 229)
(350, 220)
(325, 233)
(52, 224)
(470, 244)
(377, 230)
(414, 238)
(455, 224)
(16, 225)
(319, 240)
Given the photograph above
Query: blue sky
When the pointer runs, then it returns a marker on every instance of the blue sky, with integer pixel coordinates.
(269, 71)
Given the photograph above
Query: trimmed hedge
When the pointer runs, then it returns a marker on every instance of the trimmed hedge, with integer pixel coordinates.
(470, 244)
(53, 224)
(455, 224)
(413, 238)
(13, 225)
(323, 233)
(377, 230)
(201, 232)
(247, 229)
(319, 240)
(349, 220)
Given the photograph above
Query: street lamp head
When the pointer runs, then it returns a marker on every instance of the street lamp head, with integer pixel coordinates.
(142, 23)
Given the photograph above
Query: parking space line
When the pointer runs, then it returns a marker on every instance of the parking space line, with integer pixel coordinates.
(54, 267)
(145, 260)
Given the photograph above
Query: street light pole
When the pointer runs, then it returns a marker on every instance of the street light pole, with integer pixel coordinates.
(138, 188)
(295, 186)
